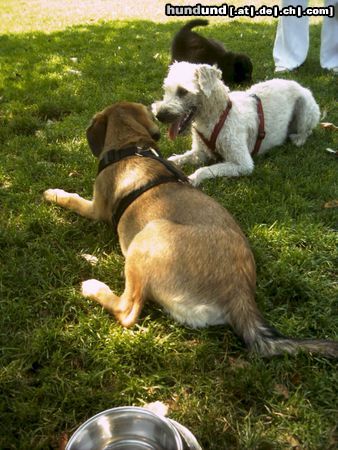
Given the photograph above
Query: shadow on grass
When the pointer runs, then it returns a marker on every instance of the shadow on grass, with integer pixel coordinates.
(52, 84)
(49, 76)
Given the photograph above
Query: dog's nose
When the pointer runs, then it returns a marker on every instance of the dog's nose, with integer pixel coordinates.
(162, 113)
(162, 116)
(166, 116)
(156, 135)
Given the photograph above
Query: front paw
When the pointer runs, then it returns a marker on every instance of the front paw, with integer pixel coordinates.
(177, 159)
(195, 179)
(52, 195)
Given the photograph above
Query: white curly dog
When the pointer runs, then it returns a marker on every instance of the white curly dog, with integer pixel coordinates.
(228, 127)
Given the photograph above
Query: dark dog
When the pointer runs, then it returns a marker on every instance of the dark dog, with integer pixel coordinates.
(191, 47)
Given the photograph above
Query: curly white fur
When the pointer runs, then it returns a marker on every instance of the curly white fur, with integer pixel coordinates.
(289, 111)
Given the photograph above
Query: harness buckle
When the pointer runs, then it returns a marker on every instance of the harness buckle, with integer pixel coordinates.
(154, 152)
(138, 152)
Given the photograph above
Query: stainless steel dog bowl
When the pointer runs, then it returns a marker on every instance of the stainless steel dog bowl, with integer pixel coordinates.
(130, 428)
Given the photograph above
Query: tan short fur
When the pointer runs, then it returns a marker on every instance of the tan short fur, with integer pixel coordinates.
(182, 249)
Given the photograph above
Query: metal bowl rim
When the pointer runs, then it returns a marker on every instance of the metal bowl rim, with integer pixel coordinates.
(187, 435)
(178, 440)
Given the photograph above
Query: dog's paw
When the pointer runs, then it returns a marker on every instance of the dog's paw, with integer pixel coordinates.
(177, 159)
(159, 408)
(94, 289)
(52, 195)
(194, 179)
(298, 139)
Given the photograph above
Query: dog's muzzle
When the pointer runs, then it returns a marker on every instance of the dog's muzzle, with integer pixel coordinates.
(166, 116)
(178, 123)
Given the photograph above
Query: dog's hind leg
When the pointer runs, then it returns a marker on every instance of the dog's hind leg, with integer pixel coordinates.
(305, 117)
(126, 308)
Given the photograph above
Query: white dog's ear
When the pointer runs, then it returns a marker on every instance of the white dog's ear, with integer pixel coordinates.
(206, 77)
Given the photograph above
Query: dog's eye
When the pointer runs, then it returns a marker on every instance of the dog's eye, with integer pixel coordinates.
(181, 92)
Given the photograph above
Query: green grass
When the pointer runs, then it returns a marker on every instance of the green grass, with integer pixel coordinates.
(63, 359)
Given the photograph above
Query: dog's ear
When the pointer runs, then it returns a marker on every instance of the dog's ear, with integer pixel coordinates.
(96, 133)
(206, 77)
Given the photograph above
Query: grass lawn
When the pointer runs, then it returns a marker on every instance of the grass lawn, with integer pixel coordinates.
(63, 358)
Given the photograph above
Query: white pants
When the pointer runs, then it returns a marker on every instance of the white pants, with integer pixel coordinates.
(292, 38)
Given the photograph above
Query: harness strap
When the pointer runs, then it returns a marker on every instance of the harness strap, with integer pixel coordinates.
(261, 126)
(211, 143)
(113, 156)
(133, 195)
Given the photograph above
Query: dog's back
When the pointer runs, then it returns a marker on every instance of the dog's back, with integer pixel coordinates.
(191, 47)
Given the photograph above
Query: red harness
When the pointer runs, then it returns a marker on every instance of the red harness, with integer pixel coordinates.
(261, 126)
(211, 143)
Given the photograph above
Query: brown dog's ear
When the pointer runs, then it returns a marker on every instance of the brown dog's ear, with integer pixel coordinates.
(96, 133)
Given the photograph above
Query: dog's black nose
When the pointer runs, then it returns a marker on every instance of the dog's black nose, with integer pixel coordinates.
(166, 116)
(156, 135)
(162, 116)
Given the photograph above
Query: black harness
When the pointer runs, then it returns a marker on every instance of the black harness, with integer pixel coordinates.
(113, 156)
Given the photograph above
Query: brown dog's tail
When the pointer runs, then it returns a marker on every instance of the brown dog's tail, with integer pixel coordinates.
(262, 338)
(270, 342)
(195, 23)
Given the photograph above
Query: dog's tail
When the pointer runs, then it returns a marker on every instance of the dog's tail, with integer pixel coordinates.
(262, 338)
(195, 23)
(270, 342)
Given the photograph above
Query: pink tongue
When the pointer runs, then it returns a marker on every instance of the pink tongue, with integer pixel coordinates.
(173, 130)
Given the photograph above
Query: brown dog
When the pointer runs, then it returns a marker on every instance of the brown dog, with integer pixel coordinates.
(182, 249)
